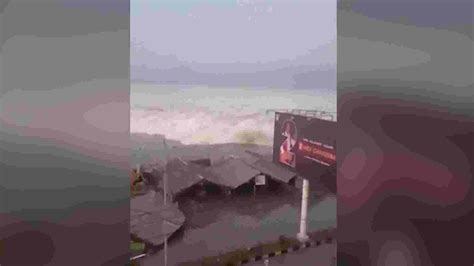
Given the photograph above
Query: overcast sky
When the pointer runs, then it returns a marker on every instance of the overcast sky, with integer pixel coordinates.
(165, 33)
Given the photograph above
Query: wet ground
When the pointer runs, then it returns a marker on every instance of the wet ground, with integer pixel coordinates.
(217, 224)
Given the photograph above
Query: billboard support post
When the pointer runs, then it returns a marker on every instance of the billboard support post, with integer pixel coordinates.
(302, 235)
(305, 144)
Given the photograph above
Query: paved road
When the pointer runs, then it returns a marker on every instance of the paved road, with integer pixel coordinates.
(315, 256)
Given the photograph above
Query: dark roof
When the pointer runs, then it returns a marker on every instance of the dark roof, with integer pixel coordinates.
(155, 227)
(231, 172)
(152, 173)
(182, 175)
(274, 170)
(151, 221)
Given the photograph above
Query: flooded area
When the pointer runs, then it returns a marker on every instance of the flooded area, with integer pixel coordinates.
(217, 225)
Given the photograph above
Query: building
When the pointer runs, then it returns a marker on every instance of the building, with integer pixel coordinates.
(228, 175)
(233, 174)
(153, 222)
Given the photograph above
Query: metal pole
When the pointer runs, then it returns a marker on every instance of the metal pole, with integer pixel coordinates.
(302, 236)
(166, 250)
(165, 174)
(165, 192)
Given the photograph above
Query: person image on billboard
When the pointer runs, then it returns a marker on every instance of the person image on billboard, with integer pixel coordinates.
(287, 155)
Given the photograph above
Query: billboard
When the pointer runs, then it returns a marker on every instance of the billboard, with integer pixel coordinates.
(306, 145)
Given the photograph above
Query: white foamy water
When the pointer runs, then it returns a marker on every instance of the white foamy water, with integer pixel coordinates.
(199, 114)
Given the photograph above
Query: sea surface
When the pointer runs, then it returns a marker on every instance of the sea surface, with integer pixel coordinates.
(201, 114)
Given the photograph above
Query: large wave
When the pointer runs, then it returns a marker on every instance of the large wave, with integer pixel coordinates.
(194, 115)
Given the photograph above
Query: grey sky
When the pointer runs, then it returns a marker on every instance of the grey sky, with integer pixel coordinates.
(165, 34)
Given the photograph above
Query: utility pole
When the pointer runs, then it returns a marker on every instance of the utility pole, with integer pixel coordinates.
(302, 235)
(165, 199)
(165, 174)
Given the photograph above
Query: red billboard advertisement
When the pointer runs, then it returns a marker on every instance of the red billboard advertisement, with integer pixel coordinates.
(318, 152)
(306, 145)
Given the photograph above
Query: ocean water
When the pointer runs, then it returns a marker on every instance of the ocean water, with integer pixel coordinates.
(200, 114)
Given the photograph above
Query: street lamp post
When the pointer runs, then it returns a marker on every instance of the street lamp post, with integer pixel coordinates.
(165, 198)
(165, 174)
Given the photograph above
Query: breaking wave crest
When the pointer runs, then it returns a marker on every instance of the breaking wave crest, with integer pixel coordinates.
(213, 115)
(195, 127)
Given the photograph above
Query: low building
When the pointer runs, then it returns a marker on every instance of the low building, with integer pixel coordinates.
(232, 174)
(180, 177)
(153, 222)
(228, 175)
(274, 170)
